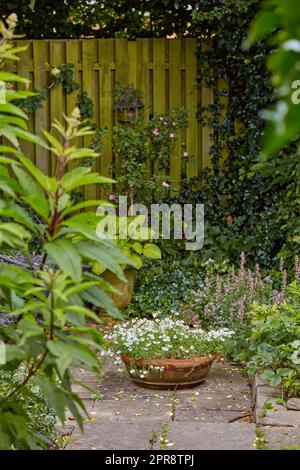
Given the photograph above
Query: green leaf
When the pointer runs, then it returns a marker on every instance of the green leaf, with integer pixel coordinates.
(12, 109)
(12, 77)
(137, 247)
(66, 256)
(30, 138)
(97, 297)
(67, 352)
(152, 251)
(263, 25)
(44, 181)
(95, 252)
(33, 193)
(54, 142)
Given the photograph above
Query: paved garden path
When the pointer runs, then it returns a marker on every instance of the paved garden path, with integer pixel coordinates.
(214, 415)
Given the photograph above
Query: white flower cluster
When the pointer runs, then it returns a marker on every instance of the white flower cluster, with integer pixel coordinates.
(168, 337)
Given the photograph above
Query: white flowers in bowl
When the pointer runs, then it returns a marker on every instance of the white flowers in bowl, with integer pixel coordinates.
(165, 338)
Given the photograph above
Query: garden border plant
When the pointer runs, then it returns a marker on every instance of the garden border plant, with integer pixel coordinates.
(48, 303)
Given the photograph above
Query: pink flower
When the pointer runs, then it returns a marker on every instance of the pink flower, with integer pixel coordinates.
(185, 154)
(241, 304)
(165, 123)
(155, 132)
(166, 184)
(112, 197)
(171, 135)
(55, 71)
(174, 124)
(161, 118)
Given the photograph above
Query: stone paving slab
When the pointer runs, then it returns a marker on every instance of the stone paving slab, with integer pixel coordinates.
(129, 410)
(262, 393)
(199, 418)
(113, 436)
(281, 438)
(212, 436)
(181, 436)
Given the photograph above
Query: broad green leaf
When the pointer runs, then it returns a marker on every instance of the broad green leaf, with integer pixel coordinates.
(31, 138)
(152, 251)
(12, 109)
(97, 297)
(66, 256)
(12, 77)
(46, 182)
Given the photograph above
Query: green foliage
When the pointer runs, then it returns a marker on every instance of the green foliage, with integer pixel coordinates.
(40, 418)
(163, 287)
(48, 304)
(85, 104)
(247, 208)
(274, 349)
(132, 238)
(77, 18)
(127, 97)
(64, 75)
(279, 23)
(32, 103)
(136, 147)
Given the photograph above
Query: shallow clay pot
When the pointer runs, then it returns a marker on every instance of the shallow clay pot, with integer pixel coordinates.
(177, 373)
(126, 288)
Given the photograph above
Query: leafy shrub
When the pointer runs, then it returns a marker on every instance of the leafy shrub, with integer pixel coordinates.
(162, 287)
(135, 144)
(274, 349)
(225, 300)
(40, 417)
(48, 301)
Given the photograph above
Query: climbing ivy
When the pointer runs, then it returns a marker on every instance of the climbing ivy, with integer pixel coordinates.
(247, 208)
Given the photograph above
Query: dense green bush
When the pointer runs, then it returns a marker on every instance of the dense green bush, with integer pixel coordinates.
(40, 417)
(274, 345)
(163, 287)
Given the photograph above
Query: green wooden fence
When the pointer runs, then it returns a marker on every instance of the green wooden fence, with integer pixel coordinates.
(164, 70)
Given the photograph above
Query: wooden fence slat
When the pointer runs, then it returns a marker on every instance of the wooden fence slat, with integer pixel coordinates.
(122, 77)
(89, 56)
(23, 69)
(57, 58)
(132, 63)
(175, 100)
(206, 100)
(72, 57)
(159, 76)
(122, 62)
(192, 142)
(105, 49)
(41, 58)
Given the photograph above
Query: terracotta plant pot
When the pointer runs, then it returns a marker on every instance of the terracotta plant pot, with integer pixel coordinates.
(126, 288)
(176, 373)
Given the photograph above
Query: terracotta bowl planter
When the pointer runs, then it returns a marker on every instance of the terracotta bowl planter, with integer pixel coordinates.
(126, 288)
(176, 373)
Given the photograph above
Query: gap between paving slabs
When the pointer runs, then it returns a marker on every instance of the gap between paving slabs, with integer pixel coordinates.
(214, 415)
